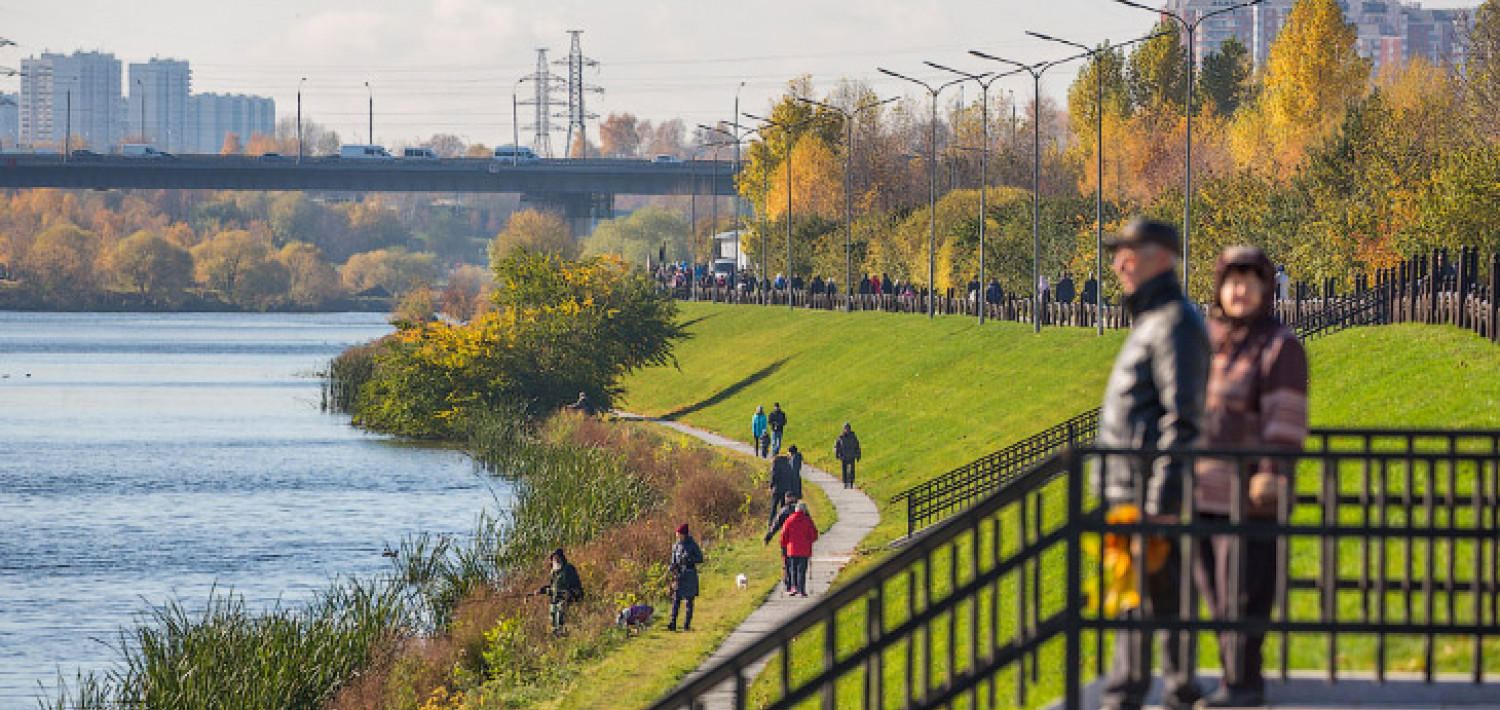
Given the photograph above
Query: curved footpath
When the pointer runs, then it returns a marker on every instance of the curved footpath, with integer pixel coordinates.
(857, 517)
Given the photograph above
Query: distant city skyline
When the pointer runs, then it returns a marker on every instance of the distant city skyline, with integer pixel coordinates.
(450, 66)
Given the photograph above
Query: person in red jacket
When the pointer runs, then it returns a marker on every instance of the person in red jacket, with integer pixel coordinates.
(797, 537)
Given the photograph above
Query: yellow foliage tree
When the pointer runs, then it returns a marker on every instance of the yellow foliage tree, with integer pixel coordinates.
(1313, 75)
(817, 178)
(538, 231)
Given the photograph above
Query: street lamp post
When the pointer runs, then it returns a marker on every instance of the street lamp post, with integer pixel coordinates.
(300, 82)
(849, 116)
(787, 128)
(984, 80)
(1190, 29)
(370, 130)
(1036, 71)
(141, 87)
(933, 91)
(1095, 54)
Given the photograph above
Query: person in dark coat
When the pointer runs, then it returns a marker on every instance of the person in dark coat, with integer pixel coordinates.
(782, 483)
(564, 588)
(1090, 292)
(686, 556)
(1153, 401)
(846, 450)
(1064, 288)
(796, 457)
(886, 285)
(797, 538)
(777, 423)
(1257, 398)
(992, 293)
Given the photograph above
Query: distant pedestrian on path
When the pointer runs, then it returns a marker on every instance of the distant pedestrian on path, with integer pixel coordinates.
(1257, 398)
(784, 480)
(777, 422)
(686, 556)
(758, 432)
(846, 450)
(1153, 401)
(797, 538)
(796, 457)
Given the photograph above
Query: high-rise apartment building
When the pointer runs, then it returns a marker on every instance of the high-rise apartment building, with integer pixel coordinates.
(72, 99)
(219, 115)
(1388, 31)
(10, 119)
(160, 106)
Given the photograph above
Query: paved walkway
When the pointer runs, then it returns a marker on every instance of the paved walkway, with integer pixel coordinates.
(857, 517)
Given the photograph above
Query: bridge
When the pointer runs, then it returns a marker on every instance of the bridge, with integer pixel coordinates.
(582, 189)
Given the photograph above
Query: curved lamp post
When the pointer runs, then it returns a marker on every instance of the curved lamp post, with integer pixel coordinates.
(933, 91)
(1036, 71)
(1094, 53)
(849, 116)
(1189, 28)
(786, 128)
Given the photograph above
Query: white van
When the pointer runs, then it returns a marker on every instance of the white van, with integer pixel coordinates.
(419, 154)
(515, 154)
(364, 152)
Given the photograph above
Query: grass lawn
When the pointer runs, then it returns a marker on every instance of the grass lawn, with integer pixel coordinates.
(928, 395)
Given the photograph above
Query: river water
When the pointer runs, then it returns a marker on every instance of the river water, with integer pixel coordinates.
(151, 457)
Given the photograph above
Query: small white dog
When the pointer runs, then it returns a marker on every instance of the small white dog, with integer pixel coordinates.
(741, 581)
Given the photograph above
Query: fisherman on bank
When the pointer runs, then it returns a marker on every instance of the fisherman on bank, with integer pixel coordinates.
(564, 589)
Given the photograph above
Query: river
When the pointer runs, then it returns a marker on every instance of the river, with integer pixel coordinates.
(150, 457)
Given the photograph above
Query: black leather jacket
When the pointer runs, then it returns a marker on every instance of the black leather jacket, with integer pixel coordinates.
(1154, 399)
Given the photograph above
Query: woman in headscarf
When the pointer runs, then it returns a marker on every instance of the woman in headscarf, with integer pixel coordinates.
(1257, 397)
(686, 556)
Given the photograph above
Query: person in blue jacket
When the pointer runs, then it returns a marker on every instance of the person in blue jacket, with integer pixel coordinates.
(759, 430)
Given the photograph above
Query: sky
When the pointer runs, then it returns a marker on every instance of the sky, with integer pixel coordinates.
(450, 66)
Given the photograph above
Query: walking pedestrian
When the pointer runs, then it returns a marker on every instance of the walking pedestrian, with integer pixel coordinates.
(758, 432)
(797, 538)
(782, 483)
(1256, 398)
(796, 457)
(846, 450)
(564, 588)
(1153, 401)
(777, 423)
(788, 507)
(686, 556)
(1065, 288)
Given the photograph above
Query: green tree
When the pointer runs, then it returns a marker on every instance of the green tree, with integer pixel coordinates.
(1158, 74)
(1481, 70)
(1224, 79)
(394, 270)
(149, 264)
(640, 236)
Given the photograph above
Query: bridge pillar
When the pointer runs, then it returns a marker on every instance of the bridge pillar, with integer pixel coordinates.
(581, 210)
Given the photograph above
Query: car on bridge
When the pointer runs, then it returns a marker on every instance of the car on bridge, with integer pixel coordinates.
(142, 150)
(666, 158)
(419, 154)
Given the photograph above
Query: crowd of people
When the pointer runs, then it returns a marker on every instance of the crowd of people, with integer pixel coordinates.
(1237, 381)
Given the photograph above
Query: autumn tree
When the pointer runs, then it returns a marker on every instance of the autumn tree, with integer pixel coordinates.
(221, 262)
(59, 265)
(619, 136)
(232, 145)
(817, 182)
(446, 145)
(538, 231)
(1314, 74)
(150, 265)
(1481, 71)
(466, 292)
(395, 270)
(311, 280)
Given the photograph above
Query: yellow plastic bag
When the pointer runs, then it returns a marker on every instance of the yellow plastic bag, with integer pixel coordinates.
(1119, 590)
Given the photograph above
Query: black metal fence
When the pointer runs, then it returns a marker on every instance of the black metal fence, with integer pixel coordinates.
(1390, 548)
(940, 497)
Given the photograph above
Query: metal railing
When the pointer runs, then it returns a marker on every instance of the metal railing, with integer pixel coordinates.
(932, 500)
(940, 497)
(1389, 548)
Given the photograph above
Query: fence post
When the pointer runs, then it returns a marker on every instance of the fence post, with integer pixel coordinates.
(1072, 632)
(1495, 297)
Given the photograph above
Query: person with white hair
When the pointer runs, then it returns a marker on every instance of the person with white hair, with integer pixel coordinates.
(797, 537)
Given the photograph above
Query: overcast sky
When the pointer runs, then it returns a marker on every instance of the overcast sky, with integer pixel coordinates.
(451, 65)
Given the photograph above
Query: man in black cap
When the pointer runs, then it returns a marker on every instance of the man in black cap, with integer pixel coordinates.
(1154, 401)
